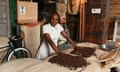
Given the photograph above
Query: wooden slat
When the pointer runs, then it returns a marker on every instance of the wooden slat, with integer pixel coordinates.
(114, 8)
(95, 24)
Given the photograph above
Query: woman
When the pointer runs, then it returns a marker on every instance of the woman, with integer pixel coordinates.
(51, 34)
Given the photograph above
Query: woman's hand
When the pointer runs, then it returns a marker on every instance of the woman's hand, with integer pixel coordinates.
(50, 41)
(58, 51)
(76, 47)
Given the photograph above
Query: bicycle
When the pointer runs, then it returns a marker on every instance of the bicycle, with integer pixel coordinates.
(15, 49)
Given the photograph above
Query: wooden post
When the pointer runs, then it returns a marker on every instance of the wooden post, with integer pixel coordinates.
(82, 19)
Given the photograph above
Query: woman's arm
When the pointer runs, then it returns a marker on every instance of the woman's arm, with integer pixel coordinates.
(49, 40)
(69, 39)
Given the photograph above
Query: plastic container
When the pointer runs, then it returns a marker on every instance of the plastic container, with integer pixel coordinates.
(17, 41)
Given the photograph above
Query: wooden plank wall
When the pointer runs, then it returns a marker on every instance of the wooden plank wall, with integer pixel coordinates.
(114, 12)
(95, 26)
(114, 8)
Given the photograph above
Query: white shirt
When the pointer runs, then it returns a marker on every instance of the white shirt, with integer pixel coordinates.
(54, 33)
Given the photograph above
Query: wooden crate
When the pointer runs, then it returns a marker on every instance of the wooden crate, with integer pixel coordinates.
(27, 12)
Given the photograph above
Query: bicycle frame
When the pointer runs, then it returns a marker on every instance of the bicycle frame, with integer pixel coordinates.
(15, 49)
(10, 47)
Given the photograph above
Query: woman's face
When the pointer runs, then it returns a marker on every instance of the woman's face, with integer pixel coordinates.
(54, 20)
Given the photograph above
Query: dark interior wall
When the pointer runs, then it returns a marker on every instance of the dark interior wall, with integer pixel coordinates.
(73, 24)
(44, 9)
(41, 5)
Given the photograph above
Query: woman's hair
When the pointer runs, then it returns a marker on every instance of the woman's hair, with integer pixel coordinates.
(52, 14)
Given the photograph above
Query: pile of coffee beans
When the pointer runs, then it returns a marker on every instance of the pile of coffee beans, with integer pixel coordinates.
(84, 51)
(67, 60)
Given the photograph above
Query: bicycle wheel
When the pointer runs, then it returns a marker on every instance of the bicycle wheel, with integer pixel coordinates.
(24, 52)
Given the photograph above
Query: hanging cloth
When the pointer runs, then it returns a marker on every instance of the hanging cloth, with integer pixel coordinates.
(73, 6)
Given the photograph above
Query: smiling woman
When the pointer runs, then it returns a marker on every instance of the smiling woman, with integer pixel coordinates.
(51, 34)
